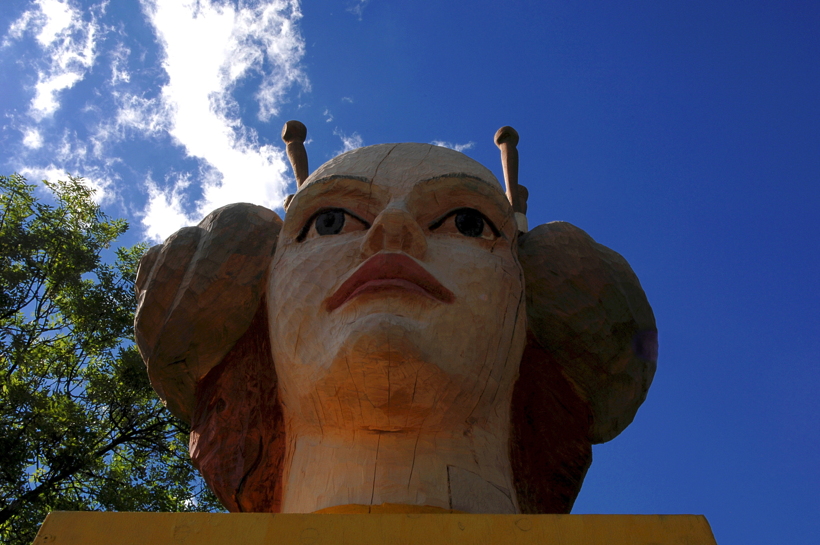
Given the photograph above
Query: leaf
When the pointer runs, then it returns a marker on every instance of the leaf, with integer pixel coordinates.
(80, 426)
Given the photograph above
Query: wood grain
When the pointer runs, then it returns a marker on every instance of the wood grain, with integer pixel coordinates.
(456, 372)
(197, 294)
(586, 307)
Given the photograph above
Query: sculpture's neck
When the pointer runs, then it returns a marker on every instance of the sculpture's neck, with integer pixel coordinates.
(467, 470)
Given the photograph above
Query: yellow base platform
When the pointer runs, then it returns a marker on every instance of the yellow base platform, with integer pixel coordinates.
(93, 528)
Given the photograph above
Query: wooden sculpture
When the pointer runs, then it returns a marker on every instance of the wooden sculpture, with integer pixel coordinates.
(400, 340)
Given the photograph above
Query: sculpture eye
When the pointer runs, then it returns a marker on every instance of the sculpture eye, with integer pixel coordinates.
(331, 221)
(468, 222)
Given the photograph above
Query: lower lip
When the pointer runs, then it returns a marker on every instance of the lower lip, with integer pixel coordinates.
(389, 285)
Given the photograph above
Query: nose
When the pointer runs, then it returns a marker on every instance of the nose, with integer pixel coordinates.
(395, 230)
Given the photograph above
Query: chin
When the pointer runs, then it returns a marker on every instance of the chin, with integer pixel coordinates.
(394, 337)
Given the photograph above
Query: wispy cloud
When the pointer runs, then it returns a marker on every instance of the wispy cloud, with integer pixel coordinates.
(68, 44)
(64, 153)
(95, 178)
(66, 38)
(212, 51)
(457, 147)
(164, 213)
(119, 62)
(348, 142)
(208, 48)
(32, 138)
(134, 115)
(357, 8)
(328, 115)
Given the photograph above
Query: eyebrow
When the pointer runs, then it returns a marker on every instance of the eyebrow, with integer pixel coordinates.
(339, 177)
(497, 197)
(319, 187)
(458, 175)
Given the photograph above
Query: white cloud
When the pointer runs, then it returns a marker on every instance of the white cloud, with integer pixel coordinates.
(272, 28)
(457, 147)
(119, 61)
(357, 8)
(348, 142)
(164, 213)
(208, 49)
(66, 40)
(146, 117)
(36, 174)
(19, 27)
(71, 150)
(94, 178)
(32, 138)
(347, 99)
(328, 115)
(58, 17)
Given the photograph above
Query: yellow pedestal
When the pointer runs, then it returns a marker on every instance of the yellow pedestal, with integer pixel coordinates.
(92, 528)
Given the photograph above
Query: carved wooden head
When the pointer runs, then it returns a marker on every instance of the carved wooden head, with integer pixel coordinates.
(397, 293)
(397, 267)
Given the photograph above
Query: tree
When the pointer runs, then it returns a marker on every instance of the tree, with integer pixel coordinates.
(80, 426)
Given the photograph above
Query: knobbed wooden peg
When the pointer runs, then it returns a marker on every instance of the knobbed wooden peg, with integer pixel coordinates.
(294, 134)
(506, 138)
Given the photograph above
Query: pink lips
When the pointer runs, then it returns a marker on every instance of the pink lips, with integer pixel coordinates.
(387, 272)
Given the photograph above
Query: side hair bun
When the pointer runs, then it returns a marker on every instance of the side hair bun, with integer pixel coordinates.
(586, 308)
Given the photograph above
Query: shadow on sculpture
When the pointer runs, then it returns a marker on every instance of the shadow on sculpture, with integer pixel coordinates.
(401, 338)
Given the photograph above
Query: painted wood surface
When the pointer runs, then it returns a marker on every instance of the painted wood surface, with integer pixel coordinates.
(67, 528)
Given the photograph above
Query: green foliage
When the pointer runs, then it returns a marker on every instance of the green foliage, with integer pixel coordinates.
(80, 426)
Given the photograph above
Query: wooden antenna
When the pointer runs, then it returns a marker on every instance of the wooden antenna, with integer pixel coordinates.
(506, 138)
(294, 134)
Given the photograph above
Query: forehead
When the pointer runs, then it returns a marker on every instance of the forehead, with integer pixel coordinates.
(399, 167)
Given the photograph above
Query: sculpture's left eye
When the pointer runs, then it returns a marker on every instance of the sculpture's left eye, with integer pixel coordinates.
(468, 222)
(331, 221)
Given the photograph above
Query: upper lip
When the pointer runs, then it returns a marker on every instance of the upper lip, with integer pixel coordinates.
(390, 266)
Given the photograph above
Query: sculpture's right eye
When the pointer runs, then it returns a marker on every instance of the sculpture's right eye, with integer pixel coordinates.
(331, 221)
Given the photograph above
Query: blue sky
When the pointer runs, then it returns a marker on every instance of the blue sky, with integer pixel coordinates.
(683, 134)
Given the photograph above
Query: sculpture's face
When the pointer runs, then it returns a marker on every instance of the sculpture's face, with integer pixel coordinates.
(395, 296)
